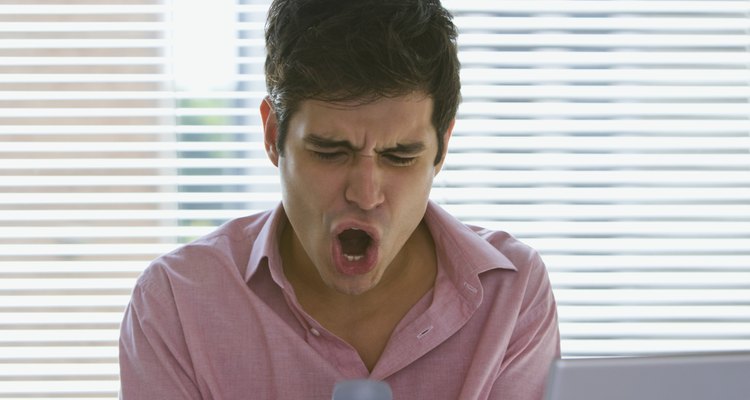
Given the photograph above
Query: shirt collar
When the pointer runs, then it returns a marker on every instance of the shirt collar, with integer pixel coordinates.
(463, 247)
(266, 245)
(460, 247)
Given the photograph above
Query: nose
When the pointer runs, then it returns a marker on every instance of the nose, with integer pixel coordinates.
(364, 186)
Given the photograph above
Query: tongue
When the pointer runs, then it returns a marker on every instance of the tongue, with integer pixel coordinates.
(354, 242)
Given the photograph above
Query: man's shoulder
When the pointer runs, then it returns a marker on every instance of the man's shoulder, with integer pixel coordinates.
(482, 247)
(505, 242)
(227, 247)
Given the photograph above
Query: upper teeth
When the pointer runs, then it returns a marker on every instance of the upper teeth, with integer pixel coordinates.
(353, 258)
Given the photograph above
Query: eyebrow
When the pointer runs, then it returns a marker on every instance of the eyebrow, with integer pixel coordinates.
(400, 148)
(321, 142)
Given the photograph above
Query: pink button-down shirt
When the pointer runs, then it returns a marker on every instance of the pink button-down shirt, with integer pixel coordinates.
(217, 319)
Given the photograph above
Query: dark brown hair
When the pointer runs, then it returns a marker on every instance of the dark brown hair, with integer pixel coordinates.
(361, 50)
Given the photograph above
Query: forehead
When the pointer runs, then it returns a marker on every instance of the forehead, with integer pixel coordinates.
(401, 118)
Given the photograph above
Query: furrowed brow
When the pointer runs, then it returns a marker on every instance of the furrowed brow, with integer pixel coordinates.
(324, 143)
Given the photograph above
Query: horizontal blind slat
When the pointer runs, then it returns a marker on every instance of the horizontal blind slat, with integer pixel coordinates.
(706, 7)
(614, 22)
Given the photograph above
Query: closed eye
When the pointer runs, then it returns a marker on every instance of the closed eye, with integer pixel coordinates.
(399, 160)
(329, 155)
(403, 154)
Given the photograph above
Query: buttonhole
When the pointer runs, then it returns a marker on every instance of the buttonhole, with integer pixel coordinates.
(470, 288)
(424, 332)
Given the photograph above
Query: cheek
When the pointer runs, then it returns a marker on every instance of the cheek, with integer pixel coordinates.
(302, 167)
(411, 195)
(306, 187)
(416, 184)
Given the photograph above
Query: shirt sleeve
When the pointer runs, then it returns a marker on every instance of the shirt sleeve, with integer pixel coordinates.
(534, 346)
(154, 361)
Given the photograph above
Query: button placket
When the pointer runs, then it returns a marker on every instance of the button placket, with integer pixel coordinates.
(424, 332)
(471, 288)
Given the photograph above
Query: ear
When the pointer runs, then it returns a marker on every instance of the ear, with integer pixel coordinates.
(270, 130)
(446, 140)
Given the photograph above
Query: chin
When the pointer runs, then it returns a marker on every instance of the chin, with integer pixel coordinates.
(354, 286)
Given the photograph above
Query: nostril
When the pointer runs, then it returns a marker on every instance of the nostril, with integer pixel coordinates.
(365, 196)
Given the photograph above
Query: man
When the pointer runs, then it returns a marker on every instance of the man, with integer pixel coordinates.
(356, 274)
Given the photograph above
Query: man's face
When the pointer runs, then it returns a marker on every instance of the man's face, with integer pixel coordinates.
(355, 184)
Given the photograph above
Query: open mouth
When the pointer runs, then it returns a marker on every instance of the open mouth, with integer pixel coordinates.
(354, 243)
(355, 251)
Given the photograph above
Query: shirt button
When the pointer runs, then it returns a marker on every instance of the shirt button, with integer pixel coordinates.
(315, 332)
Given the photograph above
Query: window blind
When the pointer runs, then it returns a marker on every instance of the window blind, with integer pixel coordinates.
(85, 105)
(613, 136)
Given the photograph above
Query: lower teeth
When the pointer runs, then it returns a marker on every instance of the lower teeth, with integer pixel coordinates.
(353, 258)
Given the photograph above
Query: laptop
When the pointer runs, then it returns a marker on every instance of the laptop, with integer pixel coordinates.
(715, 376)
